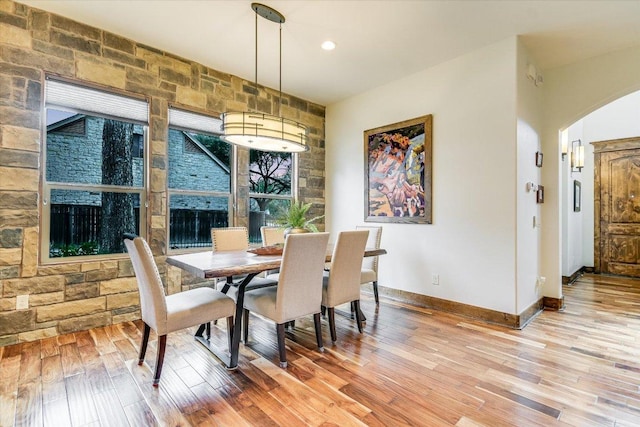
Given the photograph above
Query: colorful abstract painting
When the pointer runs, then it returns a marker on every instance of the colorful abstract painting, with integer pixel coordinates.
(398, 172)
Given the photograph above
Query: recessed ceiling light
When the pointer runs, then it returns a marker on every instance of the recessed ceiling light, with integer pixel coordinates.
(328, 45)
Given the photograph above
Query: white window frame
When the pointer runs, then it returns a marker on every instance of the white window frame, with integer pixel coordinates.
(188, 121)
(74, 97)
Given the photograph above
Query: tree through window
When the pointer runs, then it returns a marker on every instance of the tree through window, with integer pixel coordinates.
(270, 186)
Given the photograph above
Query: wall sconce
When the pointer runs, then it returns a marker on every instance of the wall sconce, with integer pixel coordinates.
(577, 156)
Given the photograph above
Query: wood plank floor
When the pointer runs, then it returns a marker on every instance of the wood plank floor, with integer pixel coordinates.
(413, 366)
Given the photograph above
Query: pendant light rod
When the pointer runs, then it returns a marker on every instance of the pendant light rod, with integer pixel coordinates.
(280, 83)
(255, 80)
(262, 131)
(273, 16)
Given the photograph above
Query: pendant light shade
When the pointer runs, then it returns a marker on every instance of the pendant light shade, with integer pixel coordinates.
(261, 131)
(264, 132)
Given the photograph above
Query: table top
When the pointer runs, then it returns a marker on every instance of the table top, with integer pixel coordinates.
(210, 264)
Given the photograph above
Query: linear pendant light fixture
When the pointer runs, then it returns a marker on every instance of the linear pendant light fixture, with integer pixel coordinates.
(261, 131)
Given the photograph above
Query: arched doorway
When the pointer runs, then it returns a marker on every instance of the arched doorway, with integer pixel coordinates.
(581, 247)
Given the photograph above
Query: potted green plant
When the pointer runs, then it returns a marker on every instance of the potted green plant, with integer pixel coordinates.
(294, 219)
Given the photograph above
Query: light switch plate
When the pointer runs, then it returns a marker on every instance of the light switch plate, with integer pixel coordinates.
(22, 302)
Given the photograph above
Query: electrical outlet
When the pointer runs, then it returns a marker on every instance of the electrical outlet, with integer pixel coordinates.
(22, 302)
(435, 279)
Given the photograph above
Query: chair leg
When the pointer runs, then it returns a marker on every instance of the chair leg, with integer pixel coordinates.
(143, 345)
(318, 325)
(162, 345)
(291, 324)
(245, 324)
(352, 309)
(208, 330)
(375, 291)
(323, 310)
(281, 348)
(230, 331)
(332, 323)
(356, 305)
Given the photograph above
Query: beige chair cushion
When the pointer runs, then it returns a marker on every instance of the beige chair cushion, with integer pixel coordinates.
(197, 306)
(263, 302)
(299, 290)
(342, 284)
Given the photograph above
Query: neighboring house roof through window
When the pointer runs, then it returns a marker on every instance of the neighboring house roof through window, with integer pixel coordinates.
(190, 142)
(74, 125)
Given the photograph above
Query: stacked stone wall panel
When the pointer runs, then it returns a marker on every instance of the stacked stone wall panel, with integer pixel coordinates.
(72, 296)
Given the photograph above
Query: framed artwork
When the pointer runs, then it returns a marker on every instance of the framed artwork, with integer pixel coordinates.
(538, 159)
(398, 172)
(540, 194)
(577, 195)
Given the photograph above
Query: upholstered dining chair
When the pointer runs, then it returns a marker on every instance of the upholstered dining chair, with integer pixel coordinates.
(236, 239)
(230, 239)
(299, 291)
(271, 235)
(342, 283)
(165, 314)
(369, 272)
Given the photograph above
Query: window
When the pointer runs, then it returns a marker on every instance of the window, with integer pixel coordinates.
(199, 179)
(272, 180)
(94, 184)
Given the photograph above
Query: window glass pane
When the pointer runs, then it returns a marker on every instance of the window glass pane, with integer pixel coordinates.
(91, 222)
(191, 219)
(198, 162)
(84, 149)
(270, 172)
(264, 211)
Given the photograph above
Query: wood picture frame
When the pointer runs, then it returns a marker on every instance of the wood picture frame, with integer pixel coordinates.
(398, 172)
(577, 195)
(540, 194)
(539, 159)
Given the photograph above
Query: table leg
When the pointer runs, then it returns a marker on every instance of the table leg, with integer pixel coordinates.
(229, 359)
(237, 326)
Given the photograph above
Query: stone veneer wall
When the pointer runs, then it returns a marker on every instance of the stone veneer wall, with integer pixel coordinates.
(75, 296)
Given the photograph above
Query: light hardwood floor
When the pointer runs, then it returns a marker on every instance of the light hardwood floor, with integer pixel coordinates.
(412, 366)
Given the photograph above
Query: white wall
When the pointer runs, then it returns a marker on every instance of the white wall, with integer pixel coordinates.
(573, 234)
(618, 119)
(570, 93)
(471, 243)
(529, 98)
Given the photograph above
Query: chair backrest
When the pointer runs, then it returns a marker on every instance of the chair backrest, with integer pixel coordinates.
(271, 235)
(153, 305)
(346, 262)
(300, 280)
(230, 239)
(373, 241)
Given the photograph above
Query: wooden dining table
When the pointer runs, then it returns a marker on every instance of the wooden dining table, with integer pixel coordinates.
(214, 264)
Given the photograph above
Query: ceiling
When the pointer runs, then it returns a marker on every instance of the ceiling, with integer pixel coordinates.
(377, 41)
